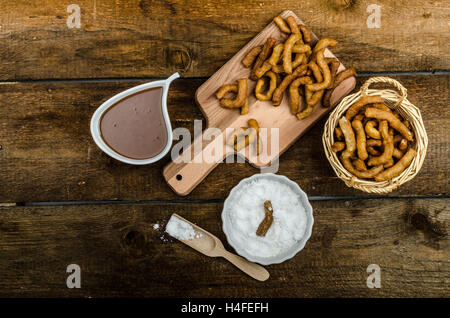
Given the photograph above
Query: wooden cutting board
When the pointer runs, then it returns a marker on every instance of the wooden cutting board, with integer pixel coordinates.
(184, 176)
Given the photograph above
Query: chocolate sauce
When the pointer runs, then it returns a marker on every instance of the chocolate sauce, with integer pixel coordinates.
(134, 127)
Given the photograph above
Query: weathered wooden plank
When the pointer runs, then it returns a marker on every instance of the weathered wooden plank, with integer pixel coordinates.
(48, 154)
(155, 38)
(120, 254)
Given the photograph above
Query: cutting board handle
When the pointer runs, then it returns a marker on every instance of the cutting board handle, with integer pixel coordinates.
(184, 176)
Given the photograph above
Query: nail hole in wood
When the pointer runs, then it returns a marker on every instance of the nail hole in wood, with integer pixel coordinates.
(179, 177)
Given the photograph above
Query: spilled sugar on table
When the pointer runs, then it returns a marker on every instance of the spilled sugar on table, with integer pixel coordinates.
(63, 201)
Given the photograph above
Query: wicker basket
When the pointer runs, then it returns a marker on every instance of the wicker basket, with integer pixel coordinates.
(395, 101)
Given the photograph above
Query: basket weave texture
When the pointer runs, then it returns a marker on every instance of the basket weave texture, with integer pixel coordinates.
(396, 101)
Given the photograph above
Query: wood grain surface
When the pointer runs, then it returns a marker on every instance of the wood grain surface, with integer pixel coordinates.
(120, 254)
(150, 38)
(55, 116)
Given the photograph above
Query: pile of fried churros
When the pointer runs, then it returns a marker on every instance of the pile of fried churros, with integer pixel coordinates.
(374, 141)
(293, 65)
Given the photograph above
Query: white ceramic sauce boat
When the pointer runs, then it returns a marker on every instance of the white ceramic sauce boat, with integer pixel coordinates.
(96, 118)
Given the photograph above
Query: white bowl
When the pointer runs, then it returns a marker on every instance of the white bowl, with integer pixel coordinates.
(285, 255)
(95, 121)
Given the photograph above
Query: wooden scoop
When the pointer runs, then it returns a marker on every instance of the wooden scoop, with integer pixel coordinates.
(210, 245)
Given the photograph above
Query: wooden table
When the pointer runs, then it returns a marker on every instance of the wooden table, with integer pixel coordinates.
(63, 201)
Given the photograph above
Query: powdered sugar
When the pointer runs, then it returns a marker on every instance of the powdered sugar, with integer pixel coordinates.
(180, 229)
(246, 211)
